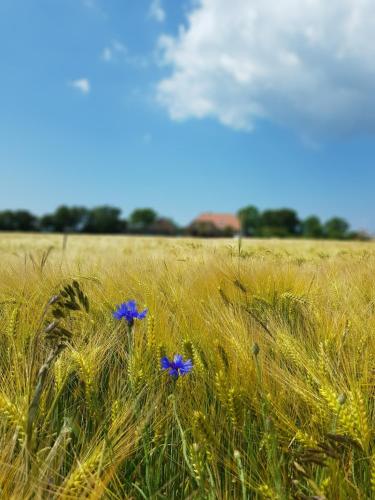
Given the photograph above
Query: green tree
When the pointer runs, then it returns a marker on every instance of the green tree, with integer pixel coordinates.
(249, 218)
(104, 219)
(65, 219)
(202, 229)
(312, 227)
(6, 220)
(281, 223)
(359, 235)
(46, 223)
(164, 226)
(24, 220)
(18, 220)
(141, 219)
(336, 228)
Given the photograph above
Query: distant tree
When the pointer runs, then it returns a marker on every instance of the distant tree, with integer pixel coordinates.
(24, 220)
(336, 228)
(141, 219)
(18, 220)
(163, 226)
(227, 232)
(47, 223)
(104, 219)
(7, 221)
(359, 235)
(281, 223)
(65, 219)
(249, 218)
(203, 229)
(312, 227)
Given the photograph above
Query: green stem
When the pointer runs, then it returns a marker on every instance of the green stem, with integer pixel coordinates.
(41, 380)
(184, 445)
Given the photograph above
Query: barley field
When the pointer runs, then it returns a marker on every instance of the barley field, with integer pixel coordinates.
(279, 402)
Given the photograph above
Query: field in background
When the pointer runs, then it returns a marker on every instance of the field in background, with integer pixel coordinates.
(280, 402)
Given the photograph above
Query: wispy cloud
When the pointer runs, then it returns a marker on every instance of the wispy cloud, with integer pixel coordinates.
(95, 7)
(106, 54)
(156, 11)
(81, 84)
(117, 51)
(90, 4)
(114, 51)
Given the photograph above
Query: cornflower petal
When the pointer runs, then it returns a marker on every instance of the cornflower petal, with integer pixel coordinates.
(186, 367)
(177, 360)
(173, 372)
(142, 314)
(165, 364)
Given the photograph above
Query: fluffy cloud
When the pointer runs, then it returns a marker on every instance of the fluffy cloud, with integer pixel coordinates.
(306, 64)
(81, 84)
(156, 11)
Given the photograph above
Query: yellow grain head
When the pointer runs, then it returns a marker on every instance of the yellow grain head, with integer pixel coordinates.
(13, 322)
(151, 341)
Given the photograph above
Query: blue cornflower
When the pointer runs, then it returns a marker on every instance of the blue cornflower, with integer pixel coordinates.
(176, 367)
(128, 310)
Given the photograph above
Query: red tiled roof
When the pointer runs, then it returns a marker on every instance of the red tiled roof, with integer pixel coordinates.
(220, 221)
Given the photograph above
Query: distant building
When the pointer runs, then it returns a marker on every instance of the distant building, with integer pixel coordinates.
(214, 224)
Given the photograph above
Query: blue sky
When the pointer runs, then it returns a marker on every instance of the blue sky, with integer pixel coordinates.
(112, 102)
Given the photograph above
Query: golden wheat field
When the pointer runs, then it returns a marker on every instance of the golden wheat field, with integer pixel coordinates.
(279, 403)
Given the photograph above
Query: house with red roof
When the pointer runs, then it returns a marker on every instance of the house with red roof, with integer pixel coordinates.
(215, 224)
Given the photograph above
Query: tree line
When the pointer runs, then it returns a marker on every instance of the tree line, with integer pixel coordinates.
(106, 219)
(98, 220)
(285, 222)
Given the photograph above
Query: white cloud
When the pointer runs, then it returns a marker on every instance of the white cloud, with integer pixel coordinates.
(156, 11)
(81, 84)
(306, 64)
